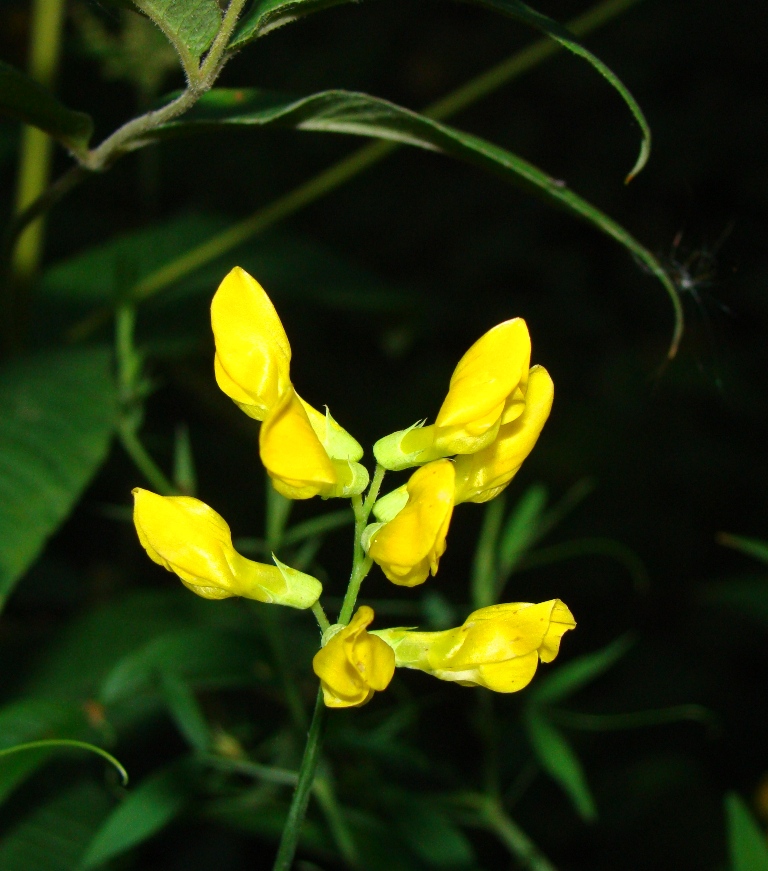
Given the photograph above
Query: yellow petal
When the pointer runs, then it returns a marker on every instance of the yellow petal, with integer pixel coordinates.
(485, 376)
(483, 475)
(354, 664)
(292, 453)
(561, 621)
(409, 547)
(186, 536)
(253, 356)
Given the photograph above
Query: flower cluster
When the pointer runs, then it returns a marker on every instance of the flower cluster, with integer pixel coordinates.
(493, 413)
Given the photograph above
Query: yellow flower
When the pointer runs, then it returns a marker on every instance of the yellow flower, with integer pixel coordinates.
(305, 452)
(353, 664)
(483, 475)
(186, 536)
(498, 647)
(410, 545)
(253, 356)
(487, 390)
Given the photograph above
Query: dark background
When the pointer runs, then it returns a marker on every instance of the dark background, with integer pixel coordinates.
(676, 450)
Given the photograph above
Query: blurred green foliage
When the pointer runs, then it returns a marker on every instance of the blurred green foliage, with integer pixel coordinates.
(644, 745)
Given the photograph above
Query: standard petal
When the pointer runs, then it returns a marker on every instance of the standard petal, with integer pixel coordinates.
(253, 356)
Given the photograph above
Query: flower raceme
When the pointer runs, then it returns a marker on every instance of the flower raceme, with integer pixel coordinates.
(305, 452)
(487, 390)
(353, 663)
(186, 536)
(498, 647)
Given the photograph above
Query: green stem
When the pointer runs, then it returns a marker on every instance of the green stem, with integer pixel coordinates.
(514, 838)
(326, 797)
(278, 510)
(322, 621)
(361, 563)
(215, 59)
(144, 462)
(290, 837)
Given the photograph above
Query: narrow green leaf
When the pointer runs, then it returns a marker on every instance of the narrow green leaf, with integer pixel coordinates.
(558, 759)
(191, 23)
(58, 415)
(54, 835)
(145, 811)
(560, 34)
(747, 841)
(202, 656)
(29, 102)
(522, 528)
(104, 273)
(31, 720)
(749, 546)
(59, 743)
(363, 115)
(186, 711)
(571, 677)
(184, 474)
(267, 15)
(484, 582)
(747, 596)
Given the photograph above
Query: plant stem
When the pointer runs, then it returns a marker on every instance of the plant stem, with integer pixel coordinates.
(290, 837)
(322, 621)
(144, 462)
(361, 564)
(213, 64)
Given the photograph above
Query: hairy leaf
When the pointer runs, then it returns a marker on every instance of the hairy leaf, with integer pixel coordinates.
(58, 414)
(363, 115)
(192, 24)
(28, 101)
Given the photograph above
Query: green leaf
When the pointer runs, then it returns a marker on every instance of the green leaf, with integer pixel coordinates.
(363, 115)
(749, 546)
(104, 273)
(572, 676)
(31, 720)
(145, 811)
(58, 414)
(747, 841)
(186, 712)
(522, 528)
(202, 655)
(191, 24)
(53, 836)
(65, 743)
(558, 759)
(29, 102)
(747, 596)
(270, 14)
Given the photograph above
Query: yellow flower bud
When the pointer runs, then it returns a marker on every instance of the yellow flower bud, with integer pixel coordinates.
(482, 476)
(498, 647)
(253, 356)
(296, 456)
(354, 664)
(410, 545)
(186, 536)
(487, 389)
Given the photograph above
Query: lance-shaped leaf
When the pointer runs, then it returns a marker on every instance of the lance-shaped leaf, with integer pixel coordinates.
(267, 15)
(28, 101)
(190, 25)
(58, 411)
(353, 112)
